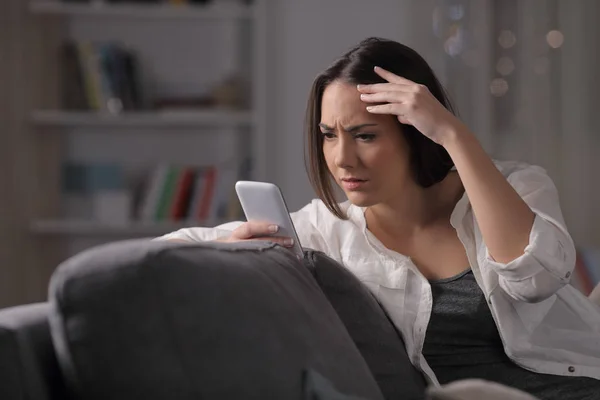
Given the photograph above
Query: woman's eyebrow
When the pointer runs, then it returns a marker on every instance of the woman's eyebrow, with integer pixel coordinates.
(348, 129)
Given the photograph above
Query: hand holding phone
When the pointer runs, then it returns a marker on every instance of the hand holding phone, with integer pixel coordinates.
(264, 207)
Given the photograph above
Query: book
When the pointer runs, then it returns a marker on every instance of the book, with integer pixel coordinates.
(100, 76)
(206, 200)
(153, 192)
(167, 192)
(182, 194)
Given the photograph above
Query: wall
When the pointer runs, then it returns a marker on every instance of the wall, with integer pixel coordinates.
(295, 59)
(26, 81)
(308, 35)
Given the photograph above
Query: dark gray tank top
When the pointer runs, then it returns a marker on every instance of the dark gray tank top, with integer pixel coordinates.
(462, 342)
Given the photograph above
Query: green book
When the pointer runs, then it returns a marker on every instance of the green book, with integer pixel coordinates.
(167, 195)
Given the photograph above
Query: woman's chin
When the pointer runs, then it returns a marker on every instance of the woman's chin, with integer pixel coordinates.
(360, 199)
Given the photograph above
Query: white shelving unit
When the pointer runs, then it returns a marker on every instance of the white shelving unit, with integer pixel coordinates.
(143, 119)
(219, 10)
(135, 21)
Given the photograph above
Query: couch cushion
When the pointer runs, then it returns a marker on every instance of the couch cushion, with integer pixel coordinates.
(163, 320)
(28, 367)
(372, 331)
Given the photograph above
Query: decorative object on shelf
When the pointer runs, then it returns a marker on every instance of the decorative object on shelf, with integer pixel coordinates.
(231, 93)
(96, 191)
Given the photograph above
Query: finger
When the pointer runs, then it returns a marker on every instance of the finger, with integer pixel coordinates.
(391, 77)
(382, 87)
(283, 241)
(385, 97)
(252, 229)
(389, 108)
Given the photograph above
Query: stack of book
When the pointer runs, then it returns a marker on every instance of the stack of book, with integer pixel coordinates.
(188, 193)
(100, 77)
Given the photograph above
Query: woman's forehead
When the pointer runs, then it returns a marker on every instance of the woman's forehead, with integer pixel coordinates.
(341, 106)
(341, 103)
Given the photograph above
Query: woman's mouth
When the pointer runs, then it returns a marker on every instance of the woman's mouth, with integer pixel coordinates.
(352, 184)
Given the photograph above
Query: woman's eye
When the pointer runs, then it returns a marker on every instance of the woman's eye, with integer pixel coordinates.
(328, 135)
(365, 137)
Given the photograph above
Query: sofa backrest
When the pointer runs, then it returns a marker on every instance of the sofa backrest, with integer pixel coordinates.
(160, 320)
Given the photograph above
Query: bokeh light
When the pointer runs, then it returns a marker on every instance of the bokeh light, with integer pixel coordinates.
(507, 39)
(505, 66)
(555, 39)
(499, 87)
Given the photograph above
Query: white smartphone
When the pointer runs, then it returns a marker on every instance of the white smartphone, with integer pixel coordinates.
(263, 201)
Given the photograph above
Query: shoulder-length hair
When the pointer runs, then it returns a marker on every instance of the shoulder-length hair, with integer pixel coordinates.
(429, 162)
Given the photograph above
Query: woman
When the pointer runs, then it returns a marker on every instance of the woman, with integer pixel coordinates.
(470, 258)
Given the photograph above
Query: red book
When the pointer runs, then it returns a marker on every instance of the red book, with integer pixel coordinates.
(207, 195)
(182, 194)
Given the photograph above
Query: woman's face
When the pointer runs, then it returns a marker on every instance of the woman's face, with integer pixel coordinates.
(365, 153)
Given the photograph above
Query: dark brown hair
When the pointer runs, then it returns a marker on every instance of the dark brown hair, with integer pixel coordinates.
(429, 161)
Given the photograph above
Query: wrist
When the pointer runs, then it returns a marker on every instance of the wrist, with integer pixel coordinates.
(455, 136)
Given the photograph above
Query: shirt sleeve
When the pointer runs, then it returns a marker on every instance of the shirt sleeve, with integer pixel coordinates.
(549, 258)
(202, 234)
(306, 222)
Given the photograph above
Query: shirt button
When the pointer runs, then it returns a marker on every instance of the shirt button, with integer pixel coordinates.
(568, 275)
(571, 369)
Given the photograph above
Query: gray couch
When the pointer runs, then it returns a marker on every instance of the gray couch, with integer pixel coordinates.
(160, 320)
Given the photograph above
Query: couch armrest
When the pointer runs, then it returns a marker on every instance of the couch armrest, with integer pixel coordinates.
(28, 366)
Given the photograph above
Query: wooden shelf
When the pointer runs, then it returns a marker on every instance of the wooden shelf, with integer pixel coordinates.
(161, 119)
(94, 228)
(215, 10)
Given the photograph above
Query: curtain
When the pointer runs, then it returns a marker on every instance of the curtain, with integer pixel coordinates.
(28, 159)
(524, 77)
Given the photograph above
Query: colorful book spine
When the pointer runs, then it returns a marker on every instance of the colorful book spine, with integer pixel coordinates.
(166, 197)
(207, 196)
(153, 193)
(196, 194)
(182, 194)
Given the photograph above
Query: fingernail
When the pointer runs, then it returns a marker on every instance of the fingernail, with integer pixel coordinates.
(273, 228)
(288, 242)
(369, 108)
(359, 87)
(362, 96)
(376, 68)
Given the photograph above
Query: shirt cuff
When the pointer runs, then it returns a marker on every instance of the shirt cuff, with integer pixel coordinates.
(544, 253)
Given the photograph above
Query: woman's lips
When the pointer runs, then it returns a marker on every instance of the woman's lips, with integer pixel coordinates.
(353, 184)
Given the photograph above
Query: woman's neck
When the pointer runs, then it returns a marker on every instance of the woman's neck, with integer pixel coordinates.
(417, 208)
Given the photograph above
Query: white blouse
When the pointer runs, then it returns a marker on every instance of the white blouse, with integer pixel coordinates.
(546, 325)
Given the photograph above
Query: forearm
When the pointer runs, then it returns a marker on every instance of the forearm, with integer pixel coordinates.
(505, 220)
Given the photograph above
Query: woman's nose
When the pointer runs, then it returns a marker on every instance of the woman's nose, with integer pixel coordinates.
(345, 156)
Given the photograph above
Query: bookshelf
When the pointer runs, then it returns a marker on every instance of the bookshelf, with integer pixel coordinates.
(218, 10)
(185, 48)
(142, 119)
